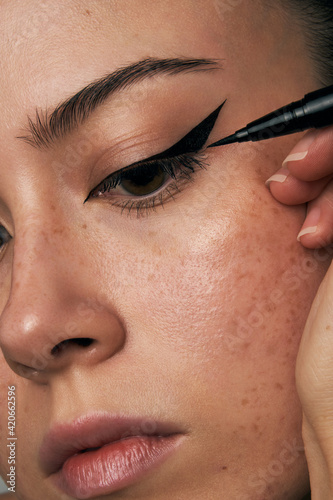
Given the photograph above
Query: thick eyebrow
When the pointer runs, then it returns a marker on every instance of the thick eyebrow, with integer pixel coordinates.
(67, 116)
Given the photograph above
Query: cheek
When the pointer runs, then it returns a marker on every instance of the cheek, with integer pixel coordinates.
(234, 287)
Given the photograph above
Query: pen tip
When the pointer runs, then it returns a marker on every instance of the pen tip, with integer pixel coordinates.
(227, 140)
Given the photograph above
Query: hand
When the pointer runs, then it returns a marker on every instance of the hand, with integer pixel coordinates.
(307, 177)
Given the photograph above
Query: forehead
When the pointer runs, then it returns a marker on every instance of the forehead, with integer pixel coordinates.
(50, 50)
(43, 37)
(43, 42)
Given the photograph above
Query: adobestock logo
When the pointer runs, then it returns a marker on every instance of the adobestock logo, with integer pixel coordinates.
(261, 482)
(225, 7)
(289, 454)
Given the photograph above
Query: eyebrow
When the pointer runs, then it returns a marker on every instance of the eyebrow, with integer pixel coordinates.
(47, 128)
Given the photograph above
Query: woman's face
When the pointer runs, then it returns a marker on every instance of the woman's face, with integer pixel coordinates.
(191, 293)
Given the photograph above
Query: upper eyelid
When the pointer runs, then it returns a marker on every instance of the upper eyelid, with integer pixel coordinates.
(192, 142)
(152, 159)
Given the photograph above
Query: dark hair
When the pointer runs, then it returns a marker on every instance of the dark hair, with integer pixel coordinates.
(316, 18)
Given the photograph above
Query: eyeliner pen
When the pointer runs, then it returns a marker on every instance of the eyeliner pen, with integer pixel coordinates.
(315, 110)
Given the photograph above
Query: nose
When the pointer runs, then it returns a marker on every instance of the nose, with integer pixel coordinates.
(56, 315)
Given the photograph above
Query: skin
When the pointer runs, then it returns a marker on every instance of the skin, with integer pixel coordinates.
(199, 307)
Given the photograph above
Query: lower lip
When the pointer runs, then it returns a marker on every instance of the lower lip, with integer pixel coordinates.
(114, 466)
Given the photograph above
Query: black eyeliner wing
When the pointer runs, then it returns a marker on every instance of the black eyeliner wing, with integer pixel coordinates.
(194, 140)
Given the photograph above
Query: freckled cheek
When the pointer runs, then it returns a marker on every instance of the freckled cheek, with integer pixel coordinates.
(237, 286)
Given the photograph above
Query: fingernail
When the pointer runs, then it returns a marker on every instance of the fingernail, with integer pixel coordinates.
(311, 223)
(308, 230)
(301, 149)
(295, 157)
(280, 176)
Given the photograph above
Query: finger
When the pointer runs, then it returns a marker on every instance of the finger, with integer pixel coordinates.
(317, 230)
(314, 373)
(290, 190)
(312, 157)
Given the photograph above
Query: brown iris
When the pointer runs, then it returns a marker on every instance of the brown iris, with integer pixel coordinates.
(143, 180)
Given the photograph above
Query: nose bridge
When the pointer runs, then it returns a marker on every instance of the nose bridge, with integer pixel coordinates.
(40, 259)
(40, 263)
(53, 314)
(49, 301)
(56, 315)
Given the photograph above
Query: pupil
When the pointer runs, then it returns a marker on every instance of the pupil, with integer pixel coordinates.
(144, 180)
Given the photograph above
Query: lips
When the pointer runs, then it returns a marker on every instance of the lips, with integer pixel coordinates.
(100, 453)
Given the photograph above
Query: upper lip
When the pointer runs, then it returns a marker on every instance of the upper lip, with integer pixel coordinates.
(94, 431)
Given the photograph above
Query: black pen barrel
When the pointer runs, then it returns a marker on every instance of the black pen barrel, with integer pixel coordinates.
(318, 106)
(315, 110)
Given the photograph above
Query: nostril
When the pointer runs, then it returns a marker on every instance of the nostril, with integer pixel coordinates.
(82, 342)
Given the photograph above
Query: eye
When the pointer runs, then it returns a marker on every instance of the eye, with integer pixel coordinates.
(142, 180)
(148, 184)
(5, 238)
(151, 182)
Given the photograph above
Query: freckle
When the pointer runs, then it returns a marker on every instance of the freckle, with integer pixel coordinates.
(245, 402)
(271, 350)
(328, 327)
(224, 467)
(279, 386)
(84, 226)
(255, 427)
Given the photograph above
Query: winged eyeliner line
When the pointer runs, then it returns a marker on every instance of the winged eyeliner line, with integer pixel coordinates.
(193, 141)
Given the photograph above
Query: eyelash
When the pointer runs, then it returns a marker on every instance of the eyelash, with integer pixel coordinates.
(179, 169)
